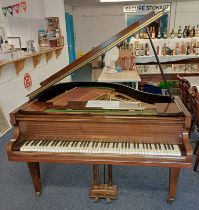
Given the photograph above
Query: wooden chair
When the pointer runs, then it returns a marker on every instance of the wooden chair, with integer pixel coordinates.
(184, 91)
(194, 103)
(190, 98)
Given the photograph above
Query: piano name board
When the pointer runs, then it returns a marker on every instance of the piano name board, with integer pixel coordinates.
(147, 8)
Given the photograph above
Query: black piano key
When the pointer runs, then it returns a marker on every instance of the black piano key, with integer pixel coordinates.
(52, 143)
(156, 147)
(144, 146)
(81, 144)
(65, 143)
(68, 143)
(40, 144)
(47, 143)
(159, 146)
(147, 146)
(129, 145)
(150, 146)
(27, 142)
(97, 143)
(138, 146)
(73, 144)
(62, 142)
(168, 146)
(172, 147)
(165, 147)
(113, 144)
(56, 143)
(33, 143)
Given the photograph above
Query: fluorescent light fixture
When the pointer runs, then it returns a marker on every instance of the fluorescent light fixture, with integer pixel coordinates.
(119, 0)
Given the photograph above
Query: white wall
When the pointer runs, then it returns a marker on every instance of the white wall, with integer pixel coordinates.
(93, 25)
(12, 91)
(187, 13)
(25, 24)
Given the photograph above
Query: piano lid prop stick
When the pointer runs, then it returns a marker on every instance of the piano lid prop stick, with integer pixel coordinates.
(160, 67)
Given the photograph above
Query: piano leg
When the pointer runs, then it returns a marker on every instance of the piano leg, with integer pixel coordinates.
(35, 174)
(173, 181)
(98, 190)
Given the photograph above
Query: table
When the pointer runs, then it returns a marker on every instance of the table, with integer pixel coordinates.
(194, 81)
(124, 76)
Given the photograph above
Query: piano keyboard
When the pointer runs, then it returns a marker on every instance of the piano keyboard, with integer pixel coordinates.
(90, 147)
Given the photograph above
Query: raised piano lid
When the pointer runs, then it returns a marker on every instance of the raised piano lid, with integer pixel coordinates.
(91, 55)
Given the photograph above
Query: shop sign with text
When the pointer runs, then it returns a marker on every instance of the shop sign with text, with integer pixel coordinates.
(147, 8)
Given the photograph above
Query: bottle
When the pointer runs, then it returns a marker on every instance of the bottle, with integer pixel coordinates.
(194, 48)
(188, 31)
(137, 49)
(185, 32)
(145, 36)
(197, 49)
(194, 31)
(142, 51)
(153, 33)
(141, 34)
(177, 50)
(150, 31)
(137, 36)
(164, 49)
(179, 32)
(147, 49)
(165, 33)
(188, 50)
(182, 49)
(159, 34)
(158, 50)
(197, 31)
(172, 34)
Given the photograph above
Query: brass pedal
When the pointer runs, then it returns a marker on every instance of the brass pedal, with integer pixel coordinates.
(103, 191)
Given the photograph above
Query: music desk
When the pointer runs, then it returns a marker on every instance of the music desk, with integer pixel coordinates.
(124, 76)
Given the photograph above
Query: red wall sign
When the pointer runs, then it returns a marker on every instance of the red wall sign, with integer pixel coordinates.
(27, 81)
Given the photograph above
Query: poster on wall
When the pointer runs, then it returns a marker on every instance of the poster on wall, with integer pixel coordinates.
(15, 9)
(27, 82)
(23, 5)
(147, 8)
(10, 10)
(4, 10)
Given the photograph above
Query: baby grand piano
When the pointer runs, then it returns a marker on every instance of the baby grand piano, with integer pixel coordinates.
(57, 125)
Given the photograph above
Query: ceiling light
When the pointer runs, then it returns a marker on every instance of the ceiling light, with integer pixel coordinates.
(119, 0)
